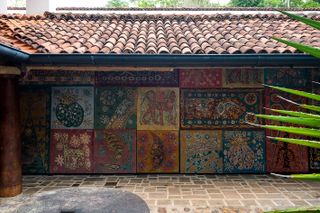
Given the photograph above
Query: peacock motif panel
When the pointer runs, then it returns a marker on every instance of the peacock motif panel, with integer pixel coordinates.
(158, 108)
(71, 151)
(35, 127)
(201, 151)
(244, 151)
(200, 78)
(72, 108)
(115, 151)
(288, 77)
(242, 78)
(115, 108)
(157, 151)
(210, 109)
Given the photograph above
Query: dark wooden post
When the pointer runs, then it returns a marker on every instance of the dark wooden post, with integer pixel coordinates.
(10, 139)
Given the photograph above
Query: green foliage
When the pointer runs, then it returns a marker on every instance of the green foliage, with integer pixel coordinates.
(245, 3)
(117, 4)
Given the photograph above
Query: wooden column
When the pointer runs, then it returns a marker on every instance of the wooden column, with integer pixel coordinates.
(10, 139)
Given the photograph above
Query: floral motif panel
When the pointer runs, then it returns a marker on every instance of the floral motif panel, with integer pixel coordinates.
(288, 77)
(200, 78)
(201, 151)
(242, 78)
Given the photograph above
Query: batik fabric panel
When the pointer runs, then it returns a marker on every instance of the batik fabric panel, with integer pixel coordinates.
(219, 108)
(138, 78)
(35, 126)
(244, 151)
(72, 108)
(200, 78)
(157, 152)
(288, 77)
(158, 108)
(71, 151)
(315, 159)
(242, 78)
(201, 151)
(115, 108)
(115, 151)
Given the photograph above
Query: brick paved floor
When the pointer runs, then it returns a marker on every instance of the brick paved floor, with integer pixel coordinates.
(193, 193)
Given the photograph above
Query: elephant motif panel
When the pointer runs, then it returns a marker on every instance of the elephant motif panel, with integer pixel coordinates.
(115, 151)
(138, 78)
(219, 108)
(287, 77)
(115, 108)
(200, 78)
(72, 108)
(71, 151)
(157, 151)
(244, 151)
(158, 109)
(315, 159)
(35, 127)
(201, 151)
(242, 78)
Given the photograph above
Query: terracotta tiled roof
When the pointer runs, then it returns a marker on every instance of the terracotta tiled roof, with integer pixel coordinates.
(154, 34)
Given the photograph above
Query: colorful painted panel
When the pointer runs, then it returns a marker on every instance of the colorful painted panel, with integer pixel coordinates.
(219, 109)
(243, 78)
(200, 78)
(244, 151)
(35, 126)
(157, 151)
(315, 159)
(201, 151)
(138, 78)
(71, 151)
(115, 108)
(72, 108)
(115, 151)
(287, 77)
(58, 77)
(158, 109)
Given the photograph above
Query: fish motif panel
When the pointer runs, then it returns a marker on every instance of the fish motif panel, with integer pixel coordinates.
(158, 108)
(157, 151)
(115, 151)
(200, 78)
(244, 151)
(242, 78)
(201, 151)
(35, 127)
(138, 78)
(287, 77)
(219, 108)
(115, 108)
(315, 159)
(71, 151)
(72, 108)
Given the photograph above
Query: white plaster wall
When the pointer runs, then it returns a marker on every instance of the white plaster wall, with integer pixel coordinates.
(3, 6)
(40, 6)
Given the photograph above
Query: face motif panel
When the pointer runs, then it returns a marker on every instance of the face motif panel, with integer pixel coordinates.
(242, 78)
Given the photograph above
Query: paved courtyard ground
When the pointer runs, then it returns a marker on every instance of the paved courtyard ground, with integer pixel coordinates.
(192, 193)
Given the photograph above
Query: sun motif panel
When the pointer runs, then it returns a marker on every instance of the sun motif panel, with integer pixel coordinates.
(35, 129)
(157, 151)
(315, 159)
(72, 108)
(115, 108)
(200, 78)
(244, 151)
(288, 77)
(242, 78)
(115, 151)
(201, 151)
(71, 151)
(219, 108)
(158, 108)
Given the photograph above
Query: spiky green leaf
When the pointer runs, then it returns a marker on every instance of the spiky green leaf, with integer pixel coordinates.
(294, 113)
(309, 143)
(308, 21)
(296, 92)
(297, 210)
(312, 122)
(310, 107)
(314, 176)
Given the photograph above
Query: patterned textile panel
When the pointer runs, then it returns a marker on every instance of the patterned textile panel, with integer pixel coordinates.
(115, 108)
(242, 78)
(115, 151)
(71, 151)
(72, 108)
(287, 77)
(58, 77)
(315, 159)
(283, 157)
(201, 151)
(158, 151)
(219, 108)
(200, 78)
(35, 127)
(138, 78)
(158, 108)
(244, 151)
